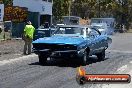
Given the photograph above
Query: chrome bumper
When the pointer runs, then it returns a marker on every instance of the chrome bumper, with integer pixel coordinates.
(66, 53)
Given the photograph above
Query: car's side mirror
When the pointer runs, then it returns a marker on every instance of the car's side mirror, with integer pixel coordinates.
(97, 30)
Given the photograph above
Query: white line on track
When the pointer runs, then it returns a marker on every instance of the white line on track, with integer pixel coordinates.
(33, 55)
(130, 62)
(119, 51)
(16, 59)
(123, 68)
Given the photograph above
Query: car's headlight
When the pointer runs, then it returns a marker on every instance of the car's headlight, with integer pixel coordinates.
(80, 51)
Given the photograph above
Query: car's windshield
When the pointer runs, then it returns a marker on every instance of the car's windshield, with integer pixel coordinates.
(69, 30)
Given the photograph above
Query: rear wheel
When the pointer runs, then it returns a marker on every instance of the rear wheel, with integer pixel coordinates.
(42, 59)
(101, 56)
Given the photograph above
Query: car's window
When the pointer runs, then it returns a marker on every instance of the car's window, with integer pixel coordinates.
(94, 33)
(69, 30)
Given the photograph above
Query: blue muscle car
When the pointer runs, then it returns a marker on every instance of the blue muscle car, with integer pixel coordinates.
(72, 42)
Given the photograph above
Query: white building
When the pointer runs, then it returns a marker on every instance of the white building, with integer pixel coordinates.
(1, 12)
(44, 7)
(1, 16)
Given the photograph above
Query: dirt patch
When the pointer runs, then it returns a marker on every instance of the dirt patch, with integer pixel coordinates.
(11, 47)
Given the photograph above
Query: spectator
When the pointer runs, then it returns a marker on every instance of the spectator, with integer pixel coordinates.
(27, 37)
(0, 30)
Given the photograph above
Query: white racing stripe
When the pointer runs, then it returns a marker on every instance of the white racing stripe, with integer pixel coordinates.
(17, 59)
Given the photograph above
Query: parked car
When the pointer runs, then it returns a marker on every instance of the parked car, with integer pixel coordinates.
(110, 22)
(43, 32)
(103, 28)
(72, 42)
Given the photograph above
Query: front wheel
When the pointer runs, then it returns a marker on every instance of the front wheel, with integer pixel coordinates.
(42, 59)
(101, 56)
(84, 58)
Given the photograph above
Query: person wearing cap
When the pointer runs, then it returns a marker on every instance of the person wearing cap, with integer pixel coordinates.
(0, 30)
(27, 37)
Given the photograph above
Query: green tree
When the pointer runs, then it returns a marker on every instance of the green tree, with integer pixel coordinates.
(119, 9)
(84, 8)
(8, 2)
(123, 13)
(60, 8)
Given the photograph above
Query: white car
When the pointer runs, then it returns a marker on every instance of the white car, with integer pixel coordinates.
(102, 27)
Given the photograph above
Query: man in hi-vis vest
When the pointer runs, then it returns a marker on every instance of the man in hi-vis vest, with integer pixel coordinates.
(27, 37)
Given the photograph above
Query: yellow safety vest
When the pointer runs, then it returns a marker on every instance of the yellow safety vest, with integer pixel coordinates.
(29, 31)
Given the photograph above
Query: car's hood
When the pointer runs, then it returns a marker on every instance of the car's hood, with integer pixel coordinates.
(60, 40)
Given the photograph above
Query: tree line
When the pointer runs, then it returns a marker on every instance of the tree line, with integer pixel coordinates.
(7, 2)
(119, 9)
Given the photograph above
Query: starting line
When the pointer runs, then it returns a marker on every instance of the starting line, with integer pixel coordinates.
(23, 58)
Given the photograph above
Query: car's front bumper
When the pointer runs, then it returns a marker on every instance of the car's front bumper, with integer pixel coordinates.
(64, 54)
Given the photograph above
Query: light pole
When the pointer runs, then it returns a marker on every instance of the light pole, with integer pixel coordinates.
(70, 3)
(99, 9)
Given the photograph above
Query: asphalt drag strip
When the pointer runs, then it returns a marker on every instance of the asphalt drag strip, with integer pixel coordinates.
(19, 59)
(26, 72)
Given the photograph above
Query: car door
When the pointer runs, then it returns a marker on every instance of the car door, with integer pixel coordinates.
(91, 37)
(96, 40)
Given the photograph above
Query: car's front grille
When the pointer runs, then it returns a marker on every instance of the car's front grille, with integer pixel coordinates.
(54, 47)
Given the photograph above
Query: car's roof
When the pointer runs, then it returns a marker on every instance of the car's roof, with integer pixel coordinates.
(98, 24)
(75, 26)
(46, 28)
(72, 16)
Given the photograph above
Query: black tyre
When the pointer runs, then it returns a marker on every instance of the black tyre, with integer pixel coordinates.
(101, 56)
(42, 59)
(84, 59)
